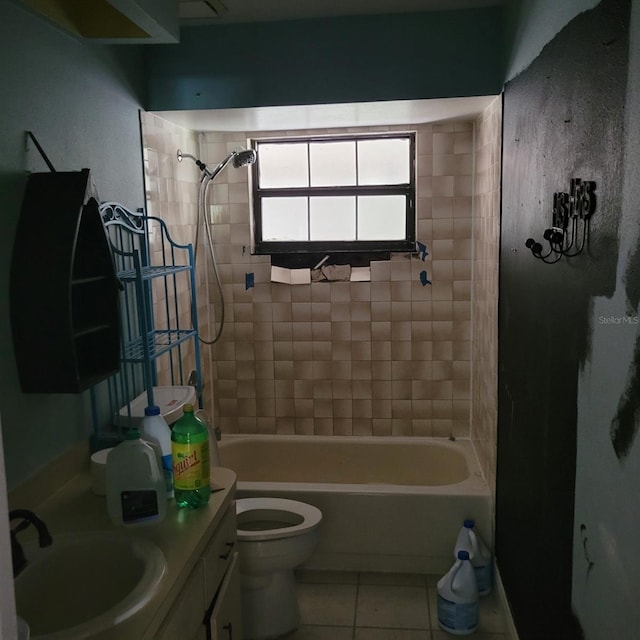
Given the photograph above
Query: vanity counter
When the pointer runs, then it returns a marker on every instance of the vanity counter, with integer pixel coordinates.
(182, 536)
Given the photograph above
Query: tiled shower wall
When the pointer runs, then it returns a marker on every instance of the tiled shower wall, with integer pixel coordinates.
(386, 357)
(484, 330)
(172, 194)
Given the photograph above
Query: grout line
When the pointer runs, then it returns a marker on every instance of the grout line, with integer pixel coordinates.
(355, 609)
(426, 591)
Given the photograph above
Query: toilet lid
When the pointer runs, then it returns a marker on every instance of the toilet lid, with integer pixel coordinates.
(272, 518)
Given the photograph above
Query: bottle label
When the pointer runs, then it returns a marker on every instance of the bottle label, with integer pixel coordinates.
(190, 465)
(484, 578)
(457, 616)
(139, 505)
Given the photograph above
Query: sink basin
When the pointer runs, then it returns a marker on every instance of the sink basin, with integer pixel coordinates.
(85, 583)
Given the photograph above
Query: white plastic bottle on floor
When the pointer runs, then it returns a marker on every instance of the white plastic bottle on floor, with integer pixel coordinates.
(154, 429)
(136, 493)
(469, 540)
(458, 598)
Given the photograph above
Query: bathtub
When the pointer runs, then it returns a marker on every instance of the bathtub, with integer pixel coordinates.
(389, 504)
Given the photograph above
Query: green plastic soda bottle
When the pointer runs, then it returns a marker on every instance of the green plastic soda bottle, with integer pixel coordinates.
(190, 453)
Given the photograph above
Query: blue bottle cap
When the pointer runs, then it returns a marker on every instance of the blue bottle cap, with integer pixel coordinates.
(469, 524)
(463, 555)
(153, 410)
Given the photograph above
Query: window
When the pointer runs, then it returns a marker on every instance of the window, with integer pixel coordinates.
(349, 196)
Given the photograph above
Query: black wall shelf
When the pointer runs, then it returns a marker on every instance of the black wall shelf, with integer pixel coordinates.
(63, 288)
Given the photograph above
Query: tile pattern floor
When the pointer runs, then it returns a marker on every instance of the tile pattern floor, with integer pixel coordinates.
(375, 606)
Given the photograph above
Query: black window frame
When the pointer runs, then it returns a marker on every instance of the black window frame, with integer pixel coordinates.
(357, 252)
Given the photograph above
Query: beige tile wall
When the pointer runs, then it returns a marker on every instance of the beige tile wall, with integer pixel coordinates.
(484, 333)
(172, 194)
(389, 357)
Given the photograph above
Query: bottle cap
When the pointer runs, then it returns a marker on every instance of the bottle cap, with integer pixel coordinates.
(469, 524)
(463, 555)
(153, 410)
(132, 434)
(187, 408)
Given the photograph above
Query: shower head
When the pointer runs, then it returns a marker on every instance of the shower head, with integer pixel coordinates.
(244, 157)
(240, 158)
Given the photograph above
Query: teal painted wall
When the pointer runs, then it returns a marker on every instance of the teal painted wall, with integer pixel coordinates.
(332, 60)
(81, 101)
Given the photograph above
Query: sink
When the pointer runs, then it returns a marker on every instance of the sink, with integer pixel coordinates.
(85, 583)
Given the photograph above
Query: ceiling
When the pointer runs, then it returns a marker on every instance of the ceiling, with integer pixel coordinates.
(366, 114)
(193, 12)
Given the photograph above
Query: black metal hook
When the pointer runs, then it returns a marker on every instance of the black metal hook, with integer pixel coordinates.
(570, 210)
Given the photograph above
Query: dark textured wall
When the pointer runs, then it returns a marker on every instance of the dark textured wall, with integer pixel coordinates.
(563, 119)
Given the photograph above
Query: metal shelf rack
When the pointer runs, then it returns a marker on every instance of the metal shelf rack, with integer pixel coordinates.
(157, 280)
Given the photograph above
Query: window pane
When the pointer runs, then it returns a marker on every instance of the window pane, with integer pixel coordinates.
(284, 219)
(381, 217)
(333, 218)
(333, 163)
(383, 161)
(283, 165)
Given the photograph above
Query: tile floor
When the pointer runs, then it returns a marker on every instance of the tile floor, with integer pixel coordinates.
(375, 606)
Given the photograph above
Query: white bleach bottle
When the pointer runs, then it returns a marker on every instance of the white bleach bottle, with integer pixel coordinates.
(469, 540)
(136, 492)
(458, 598)
(155, 430)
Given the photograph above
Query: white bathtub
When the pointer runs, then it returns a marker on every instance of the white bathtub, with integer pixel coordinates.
(389, 504)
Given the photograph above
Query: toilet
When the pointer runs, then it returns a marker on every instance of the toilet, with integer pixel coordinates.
(275, 535)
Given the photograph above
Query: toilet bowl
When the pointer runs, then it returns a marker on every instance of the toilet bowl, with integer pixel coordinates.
(275, 535)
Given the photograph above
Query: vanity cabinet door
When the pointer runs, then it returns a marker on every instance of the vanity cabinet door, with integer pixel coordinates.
(208, 607)
(219, 553)
(225, 617)
(185, 620)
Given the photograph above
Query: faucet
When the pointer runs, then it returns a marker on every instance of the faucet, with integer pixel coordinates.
(18, 558)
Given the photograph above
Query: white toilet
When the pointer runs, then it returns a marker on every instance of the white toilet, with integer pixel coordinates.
(274, 536)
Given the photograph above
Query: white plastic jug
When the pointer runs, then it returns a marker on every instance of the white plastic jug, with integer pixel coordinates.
(469, 540)
(458, 598)
(136, 492)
